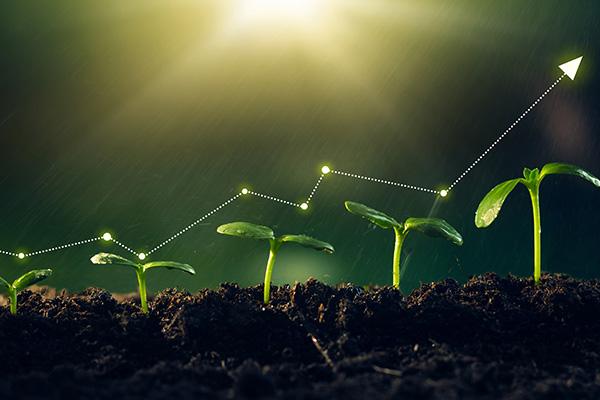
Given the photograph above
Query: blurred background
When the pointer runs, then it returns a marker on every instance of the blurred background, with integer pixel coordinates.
(138, 117)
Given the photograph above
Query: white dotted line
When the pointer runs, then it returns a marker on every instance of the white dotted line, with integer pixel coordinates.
(535, 103)
(124, 246)
(264, 196)
(62, 247)
(8, 253)
(193, 224)
(314, 190)
(403, 185)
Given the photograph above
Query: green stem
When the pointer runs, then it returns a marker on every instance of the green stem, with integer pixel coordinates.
(269, 271)
(534, 192)
(12, 295)
(397, 253)
(141, 277)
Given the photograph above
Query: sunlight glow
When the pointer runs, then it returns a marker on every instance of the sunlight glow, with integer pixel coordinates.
(280, 11)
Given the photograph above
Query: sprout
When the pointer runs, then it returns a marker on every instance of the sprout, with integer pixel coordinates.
(140, 270)
(490, 206)
(434, 227)
(252, 231)
(26, 280)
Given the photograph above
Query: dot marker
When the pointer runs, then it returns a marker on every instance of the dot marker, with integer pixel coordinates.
(304, 206)
(244, 191)
(443, 193)
(325, 170)
(107, 236)
(142, 256)
(21, 256)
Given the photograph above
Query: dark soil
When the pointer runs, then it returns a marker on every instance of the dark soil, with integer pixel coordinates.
(489, 338)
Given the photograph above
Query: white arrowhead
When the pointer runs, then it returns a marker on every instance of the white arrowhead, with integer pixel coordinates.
(570, 68)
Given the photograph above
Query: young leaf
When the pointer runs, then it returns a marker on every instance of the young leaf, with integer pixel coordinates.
(307, 241)
(4, 283)
(434, 227)
(376, 217)
(531, 175)
(492, 203)
(246, 230)
(31, 278)
(170, 265)
(568, 169)
(107, 258)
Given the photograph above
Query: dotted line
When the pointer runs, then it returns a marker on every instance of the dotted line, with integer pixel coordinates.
(535, 103)
(8, 253)
(403, 185)
(193, 224)
(264, 196)
(62, 247)
(124, 246)
(314, 189)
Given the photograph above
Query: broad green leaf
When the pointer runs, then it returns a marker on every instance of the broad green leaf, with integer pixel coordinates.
(376, 217)
(308, 241)
(4, 283)
(434, 227)
(170, 265)
(31, 278)
(492, 203)
(568, 169)
(246, 230)
(107, 258)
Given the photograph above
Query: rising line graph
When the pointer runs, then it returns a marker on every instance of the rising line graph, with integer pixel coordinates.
(569, 69)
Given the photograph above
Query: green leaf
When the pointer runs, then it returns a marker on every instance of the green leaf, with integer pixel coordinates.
(170, 265)
(376, 217)
(434, 227)
(492, 203)
(308, 241)
(107, 258)
(246, 230)
(31, 278)
(568, 169)
(531, 175)
(4, 283)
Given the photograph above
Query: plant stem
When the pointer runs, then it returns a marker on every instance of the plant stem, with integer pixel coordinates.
(141, 277)
(534, 193)
(397, 253)
(12, 294)
(275, 244)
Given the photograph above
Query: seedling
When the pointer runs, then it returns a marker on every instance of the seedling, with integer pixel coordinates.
(252, 231)
(490, 206)
(434, 227)
(140, 270)
(26, 280)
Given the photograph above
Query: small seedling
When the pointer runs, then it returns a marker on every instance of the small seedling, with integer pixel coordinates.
(140, 270)
(490, 206)
(434, 227)
(252, 231)
(26, 280)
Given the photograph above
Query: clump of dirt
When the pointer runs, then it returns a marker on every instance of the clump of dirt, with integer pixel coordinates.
(490, 338)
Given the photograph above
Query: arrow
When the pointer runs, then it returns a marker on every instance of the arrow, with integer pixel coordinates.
(570, 68)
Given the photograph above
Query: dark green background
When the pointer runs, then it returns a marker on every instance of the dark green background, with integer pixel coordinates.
(131, 117)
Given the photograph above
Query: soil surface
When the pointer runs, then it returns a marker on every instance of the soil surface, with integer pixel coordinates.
(490, 338)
